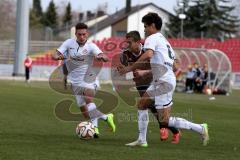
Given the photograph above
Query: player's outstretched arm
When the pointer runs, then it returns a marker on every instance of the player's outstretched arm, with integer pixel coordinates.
(102, 57)
(147, 55)
(143, 74)
(138, 64)
(145, 65)
(57, 56)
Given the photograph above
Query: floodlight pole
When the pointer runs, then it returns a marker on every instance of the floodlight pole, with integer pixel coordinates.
(21, 41)
(182, 16)
(181, 28)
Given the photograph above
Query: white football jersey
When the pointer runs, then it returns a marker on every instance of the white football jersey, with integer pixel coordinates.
(163, 57)
(79, 60)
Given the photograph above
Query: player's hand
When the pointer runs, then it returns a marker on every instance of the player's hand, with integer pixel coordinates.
(120, 68)
(57, 56)
(102, 57)
(123, 70)
(138, 74)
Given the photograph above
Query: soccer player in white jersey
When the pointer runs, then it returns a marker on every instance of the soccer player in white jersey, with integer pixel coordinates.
(161, 56)
(142, 77)
(82, 74)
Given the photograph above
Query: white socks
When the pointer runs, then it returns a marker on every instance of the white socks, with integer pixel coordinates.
(142, 125)
(94, 114)
(184, 124)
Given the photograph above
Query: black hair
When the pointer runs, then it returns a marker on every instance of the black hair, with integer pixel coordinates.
(151, 18)
(81, 26)
(134, 34)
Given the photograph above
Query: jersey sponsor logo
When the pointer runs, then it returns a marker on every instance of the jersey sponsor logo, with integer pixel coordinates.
(85, 51)
(77, 58)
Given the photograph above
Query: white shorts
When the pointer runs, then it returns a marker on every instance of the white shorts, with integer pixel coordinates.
(162, 92)
(78, 90)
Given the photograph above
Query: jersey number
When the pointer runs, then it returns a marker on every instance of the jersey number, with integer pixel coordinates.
(170, 54)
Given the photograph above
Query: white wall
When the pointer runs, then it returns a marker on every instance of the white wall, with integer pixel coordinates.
(135, 20)
(134, 23)
(105, 33)
(89, 24)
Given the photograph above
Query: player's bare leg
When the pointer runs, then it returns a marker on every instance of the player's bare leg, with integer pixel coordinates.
(84, 111)
(163, 116)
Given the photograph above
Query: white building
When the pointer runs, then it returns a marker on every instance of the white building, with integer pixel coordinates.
(123, 21)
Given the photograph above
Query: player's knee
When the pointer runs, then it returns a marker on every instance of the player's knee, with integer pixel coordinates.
(142, 105)
(88, 99)
(153, 109)
(84, 111)
(163, 120)
(86, 115)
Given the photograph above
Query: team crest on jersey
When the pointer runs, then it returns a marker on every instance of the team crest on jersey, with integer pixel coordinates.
(85, 51)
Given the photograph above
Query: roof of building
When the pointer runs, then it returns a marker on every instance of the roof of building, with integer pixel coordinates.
(120, 15)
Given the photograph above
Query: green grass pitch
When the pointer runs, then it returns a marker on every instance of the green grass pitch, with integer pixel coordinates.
(29, 129)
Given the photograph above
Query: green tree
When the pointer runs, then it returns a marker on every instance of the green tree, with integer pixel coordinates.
(218, 21)
(195, 19)
(50, 17)
(67, 19)
(35, 21)
(207, 18)
(36, 14)
(37, 8)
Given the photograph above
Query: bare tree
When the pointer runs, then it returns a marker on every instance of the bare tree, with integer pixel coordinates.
(7, 19)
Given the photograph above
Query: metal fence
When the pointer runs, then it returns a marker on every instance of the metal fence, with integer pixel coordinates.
(7, 49)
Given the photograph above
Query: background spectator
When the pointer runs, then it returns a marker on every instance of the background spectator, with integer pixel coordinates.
(190, 79)
(28, 68)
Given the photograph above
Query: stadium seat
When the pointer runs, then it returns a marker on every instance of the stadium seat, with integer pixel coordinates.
(230, 46)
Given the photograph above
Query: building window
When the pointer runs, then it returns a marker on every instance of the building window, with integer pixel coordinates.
(120, 33)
